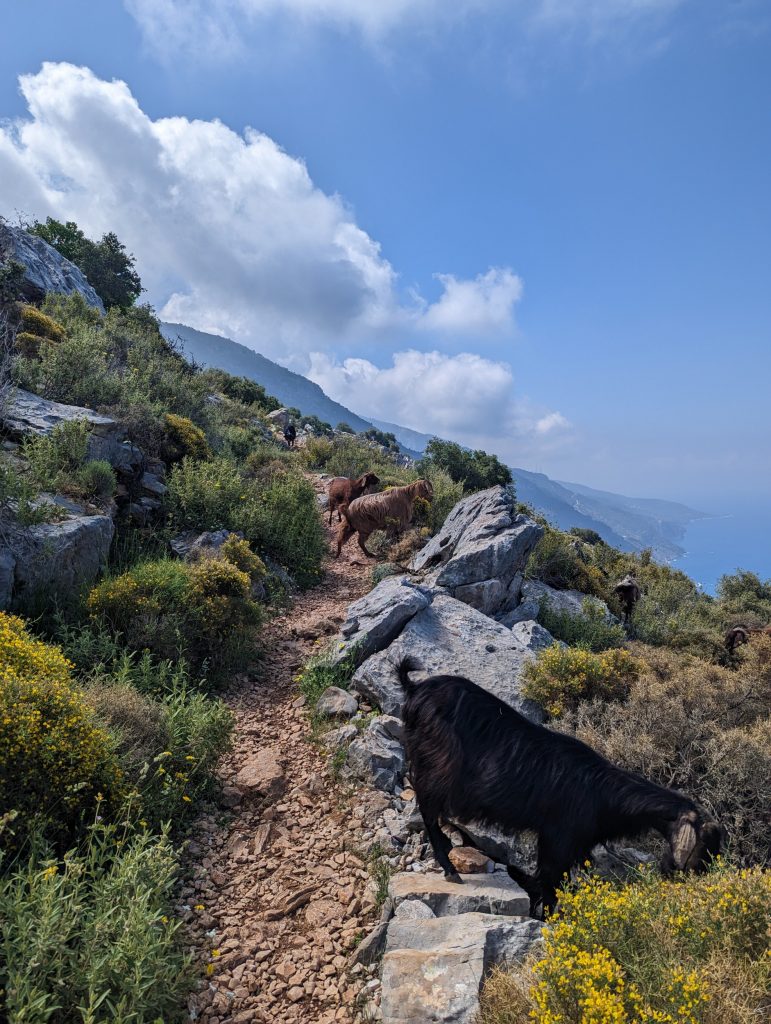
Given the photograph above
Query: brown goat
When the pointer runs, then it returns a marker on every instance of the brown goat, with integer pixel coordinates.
(738, 635)
(343, 490)
(378, 511)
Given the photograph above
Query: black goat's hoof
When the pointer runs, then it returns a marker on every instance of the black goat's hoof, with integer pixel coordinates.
(453, 876)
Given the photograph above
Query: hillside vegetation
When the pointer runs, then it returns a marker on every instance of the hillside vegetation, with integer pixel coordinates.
(112, 727)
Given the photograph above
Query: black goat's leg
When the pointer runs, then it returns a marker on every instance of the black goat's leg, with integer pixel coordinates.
(554, 865)
(441, 846)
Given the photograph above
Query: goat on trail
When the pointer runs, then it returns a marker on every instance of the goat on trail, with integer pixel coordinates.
(473, 758)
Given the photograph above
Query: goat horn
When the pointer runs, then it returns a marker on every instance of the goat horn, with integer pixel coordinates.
(683, 842)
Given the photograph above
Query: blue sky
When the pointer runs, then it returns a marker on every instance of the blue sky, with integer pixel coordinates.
(540, 226)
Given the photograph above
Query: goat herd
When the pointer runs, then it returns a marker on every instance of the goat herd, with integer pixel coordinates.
(473, 758)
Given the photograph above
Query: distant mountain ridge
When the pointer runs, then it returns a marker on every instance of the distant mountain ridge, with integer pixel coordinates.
(630, 524)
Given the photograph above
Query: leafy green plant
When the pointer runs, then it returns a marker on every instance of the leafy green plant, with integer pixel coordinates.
(475, 471)
(590, 630)
(202, 611)
(55, 760)
(559, 562)
(561, 677)
(91, 937)
(169, 746)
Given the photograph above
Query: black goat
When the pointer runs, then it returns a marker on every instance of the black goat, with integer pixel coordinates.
(628, 593)
(473, 758)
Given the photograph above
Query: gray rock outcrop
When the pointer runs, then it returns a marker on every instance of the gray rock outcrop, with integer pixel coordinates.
(377, 754)
(46, 270)
(569, 602)
(450, 636)
(480, 894)
(481, 551)
(377, 618)
(59, 557)
(433, 970)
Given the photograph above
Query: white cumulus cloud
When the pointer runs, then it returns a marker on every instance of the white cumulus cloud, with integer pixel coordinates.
(229, 231)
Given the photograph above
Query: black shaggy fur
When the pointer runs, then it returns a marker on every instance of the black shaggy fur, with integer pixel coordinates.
(473, 758)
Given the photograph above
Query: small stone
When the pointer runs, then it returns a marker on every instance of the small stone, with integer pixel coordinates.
(469, 861)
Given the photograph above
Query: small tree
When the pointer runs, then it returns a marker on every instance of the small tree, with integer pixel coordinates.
(475, 470)
(106, 264)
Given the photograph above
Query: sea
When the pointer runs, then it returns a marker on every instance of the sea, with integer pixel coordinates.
(724, 543)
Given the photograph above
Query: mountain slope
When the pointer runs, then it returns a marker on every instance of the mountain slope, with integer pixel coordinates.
(630, 524)
(290, 388)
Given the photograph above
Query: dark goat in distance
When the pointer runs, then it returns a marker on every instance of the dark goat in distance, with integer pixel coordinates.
(628, 593)
(473, 758)
(342, 490)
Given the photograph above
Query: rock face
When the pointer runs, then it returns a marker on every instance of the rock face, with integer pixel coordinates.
(377, 754)
(433, 970)
(480, 894)
(479, 554)
(61, 556)
(46, 269)
(450, 636)
(30, 414)
(378, 618)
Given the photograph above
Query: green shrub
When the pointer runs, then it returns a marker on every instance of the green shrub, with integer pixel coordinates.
(697, 727)
(206, 495)
(283, 521)
(475, 471)
(317, 452)
(38, 324)
(77, 370)
(96, 479)
(562, 677)
(237, 551)
(92, 938)
(55, 761)
(169, 746)
(55, 457)
(384, 569)
(27, 345)
(654, 952)
(201, 611)
(447, 494)
(17, 498)
(183, 439)
(590, 630)
(558, 562)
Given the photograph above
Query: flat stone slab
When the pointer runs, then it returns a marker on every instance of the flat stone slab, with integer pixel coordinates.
(433, 970)
(485, 894)
(450, 636)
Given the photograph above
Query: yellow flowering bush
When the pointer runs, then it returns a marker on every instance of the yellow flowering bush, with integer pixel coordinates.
(561, 677)
(692, 951)
(202, 611)
(54, 758)
(237, 551)
(42, 326)
(183, 437)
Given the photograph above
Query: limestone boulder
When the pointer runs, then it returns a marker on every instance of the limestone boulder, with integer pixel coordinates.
(60, 557)
(570, 602)
(433, 971)
(337, 703)
(376, 619)
(481, 551)
(377, 755)
(46, 270)
(450, 636)
(28, 415)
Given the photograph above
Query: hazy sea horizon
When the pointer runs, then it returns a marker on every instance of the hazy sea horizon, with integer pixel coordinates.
(740, 539)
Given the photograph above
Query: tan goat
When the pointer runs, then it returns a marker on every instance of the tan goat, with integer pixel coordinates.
(373, 512)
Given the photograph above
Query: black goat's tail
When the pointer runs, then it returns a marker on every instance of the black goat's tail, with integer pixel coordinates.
(407, 665)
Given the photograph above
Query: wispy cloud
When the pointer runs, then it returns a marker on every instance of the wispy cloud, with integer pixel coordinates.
(216, 28)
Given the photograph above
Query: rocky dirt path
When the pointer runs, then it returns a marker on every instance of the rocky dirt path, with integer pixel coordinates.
(277, 891)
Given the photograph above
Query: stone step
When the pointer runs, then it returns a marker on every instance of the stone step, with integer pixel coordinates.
(487, 894)
(433, 970)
